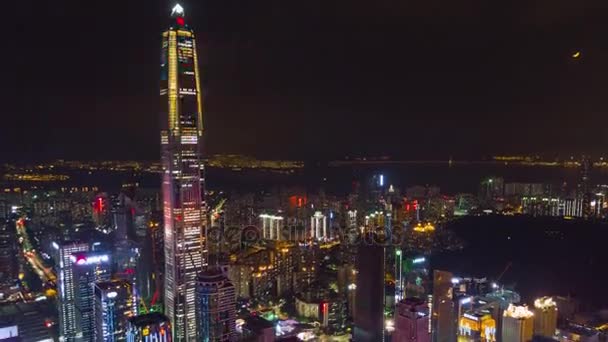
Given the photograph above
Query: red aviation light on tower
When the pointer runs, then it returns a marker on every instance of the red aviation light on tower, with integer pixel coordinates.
(180, 21)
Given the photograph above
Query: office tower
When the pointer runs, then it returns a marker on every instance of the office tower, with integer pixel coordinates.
(412, 321)
(68, 320)
(27, 321)
(215, 307)
(183, 185)
(351, 221)
(584, 186)
(545, 317)
(444, 322)
(87, 269)
(115, 303)
(369, 303)
(517, 324)
(318, 226)
(272, 226)
(152, 327)
(476, 325)
(101, 211)
(283, 260)
(125, 240)
(8, 265)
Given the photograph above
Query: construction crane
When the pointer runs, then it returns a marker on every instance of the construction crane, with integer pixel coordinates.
(504, 271)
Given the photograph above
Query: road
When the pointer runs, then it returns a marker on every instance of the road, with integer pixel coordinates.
(46, 274)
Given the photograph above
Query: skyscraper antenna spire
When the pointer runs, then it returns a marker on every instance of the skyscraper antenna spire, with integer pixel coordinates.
(177, 10)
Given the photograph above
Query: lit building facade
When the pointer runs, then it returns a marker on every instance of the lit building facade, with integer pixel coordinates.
(183, 185)
(444, 327)
(115, 302)
(517, 324)
(216, 307)
(68, 320)
(476, 326)
(412, 321)
(152, 327)
(8, 248)
(318, 226)
(545, 317)
(87, 269)
(272, 226)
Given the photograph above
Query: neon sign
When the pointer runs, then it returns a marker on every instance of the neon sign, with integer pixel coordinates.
(88, 260)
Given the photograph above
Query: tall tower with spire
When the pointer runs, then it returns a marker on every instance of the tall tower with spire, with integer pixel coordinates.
(183, 183)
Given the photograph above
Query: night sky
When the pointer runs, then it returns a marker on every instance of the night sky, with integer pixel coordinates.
(312, 79)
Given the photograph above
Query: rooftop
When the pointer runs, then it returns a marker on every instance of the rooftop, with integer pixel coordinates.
(149, 319)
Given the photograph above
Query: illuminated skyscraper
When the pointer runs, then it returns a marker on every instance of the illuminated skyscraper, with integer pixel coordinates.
(68, 321)
(216, 307)
(443, 315)
(369, 303)
(318, 226)
(87, 269)
(412, 321)
(8, 264)
(272, 226)
(183, 190)
(115, 302)
(517, 324)
(545, 317)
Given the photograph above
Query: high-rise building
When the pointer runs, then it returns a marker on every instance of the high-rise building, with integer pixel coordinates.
(369, 303)
(8, 265)
(444, 323)
(27, 321)
(476, 326)
(517, 324)
(412, 321)
(545, 317)
(318, 226)
(152, 327)
(87, 269)
(272, 226)
(183, 185)
(215, 307)
(68, 320)
(115, 302)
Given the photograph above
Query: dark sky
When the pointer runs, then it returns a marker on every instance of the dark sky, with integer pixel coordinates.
(300, 79)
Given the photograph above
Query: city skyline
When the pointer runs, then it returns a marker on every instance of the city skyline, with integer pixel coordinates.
(378, 78)
(406, 205)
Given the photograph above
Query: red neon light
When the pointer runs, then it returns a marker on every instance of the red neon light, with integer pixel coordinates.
(155, 297)
(98, 206)
(180, 21)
